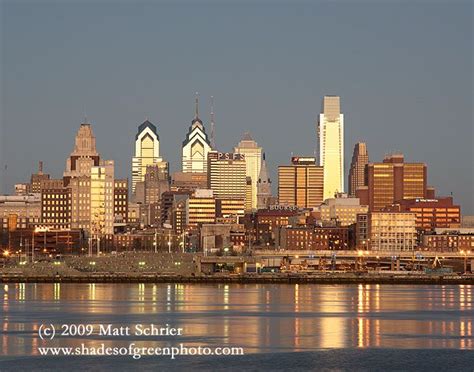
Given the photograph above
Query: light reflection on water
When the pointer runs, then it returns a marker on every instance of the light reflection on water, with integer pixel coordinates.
(260, 318)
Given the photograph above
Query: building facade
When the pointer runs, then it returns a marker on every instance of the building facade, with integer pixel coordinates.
(394, 180)
(253, 161)
(391, 231)
(227, 175)
(342, 210)
(331, 145)
(301, 183)
(360, 159)
(147, 151)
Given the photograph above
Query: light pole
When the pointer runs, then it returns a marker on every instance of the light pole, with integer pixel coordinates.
(465, 253)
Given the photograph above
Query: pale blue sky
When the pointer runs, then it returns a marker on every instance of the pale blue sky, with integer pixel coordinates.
(404, 71)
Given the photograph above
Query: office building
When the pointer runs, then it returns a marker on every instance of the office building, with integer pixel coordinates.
(301, 184)
(102, 199)
(360, 158)
(227, 175)
(147, 151)
(56, 201)
(394, 180)
(23, 211)
(253, 161)
(391, 231)
(331, 145)
(196, 146)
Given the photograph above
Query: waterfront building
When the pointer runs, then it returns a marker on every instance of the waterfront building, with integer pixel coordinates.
(22, 211)
(332, 238)
(37, 178)
(196, 146)
(301, 183)
(360, 159)
(253, 162)
(393, 180)
(459, 240)
(431, 213)
(264, 187)
(331, 145)
(391, 231)
(227, 175)
(147, 151)
(342, 209)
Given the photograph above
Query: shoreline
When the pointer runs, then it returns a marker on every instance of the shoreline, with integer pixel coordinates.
(321, 278)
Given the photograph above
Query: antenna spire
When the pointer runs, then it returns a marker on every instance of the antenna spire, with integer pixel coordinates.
(197, 106)
(213, 125)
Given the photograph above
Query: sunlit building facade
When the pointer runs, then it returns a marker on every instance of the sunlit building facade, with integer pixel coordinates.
(394, 180)
(301, 184)
(331, 145)
(253, 162)
(102, 198)
(147, 151)
(360, 159)
(227, 175)
(196, 146)
(391, 231)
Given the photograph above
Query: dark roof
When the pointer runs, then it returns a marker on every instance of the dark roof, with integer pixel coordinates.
(144, 125)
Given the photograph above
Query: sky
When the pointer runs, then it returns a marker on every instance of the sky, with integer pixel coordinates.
(404, 71)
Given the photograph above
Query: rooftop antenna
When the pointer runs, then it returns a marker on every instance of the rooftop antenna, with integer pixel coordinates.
(213, 125)
(197, 106)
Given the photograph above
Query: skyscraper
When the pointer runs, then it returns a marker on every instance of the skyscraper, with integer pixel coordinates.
(147, 151)
(227, 175)
(360, 158)
(253, 162)
(84, 155)
(264, 186)
(394, 180)
(196, 146)
(301, 183)
(331, 145)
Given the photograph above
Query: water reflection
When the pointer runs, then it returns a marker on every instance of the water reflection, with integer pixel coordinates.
(260, 318)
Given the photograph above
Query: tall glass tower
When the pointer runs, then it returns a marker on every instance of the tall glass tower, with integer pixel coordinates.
(331, 145)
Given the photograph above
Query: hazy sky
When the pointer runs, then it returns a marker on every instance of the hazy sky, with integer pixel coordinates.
(404, 71)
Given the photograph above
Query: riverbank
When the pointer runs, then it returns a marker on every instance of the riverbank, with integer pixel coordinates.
(280, 278)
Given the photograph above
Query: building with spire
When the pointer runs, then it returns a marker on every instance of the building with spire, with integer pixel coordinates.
(360, 158)
(264, 187)
(196, 146)
(84, 156)
(253, 162)
(331, 145)
(147, 152)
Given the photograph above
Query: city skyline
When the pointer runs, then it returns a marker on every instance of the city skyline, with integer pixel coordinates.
(413, 104)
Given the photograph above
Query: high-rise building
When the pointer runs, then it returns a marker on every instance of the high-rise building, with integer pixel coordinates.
(227, 175)
(121, 200)
(84, 155)
(196, 146)
(301, 183)
(253, 160)
(102, 198)
(331, 145)
(394, 180)
(200, 208)
(264, 186)
(360, 158)
(147, 151)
